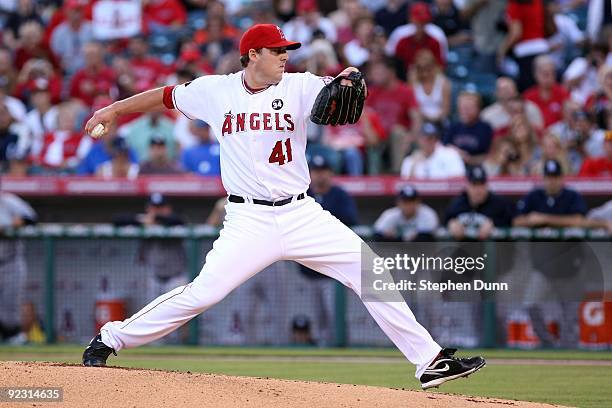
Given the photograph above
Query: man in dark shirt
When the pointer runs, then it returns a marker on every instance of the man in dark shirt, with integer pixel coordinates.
(557, 266)
(554, 205)
(159, 162)
(470, 135)
(342, 206)
(477, 208)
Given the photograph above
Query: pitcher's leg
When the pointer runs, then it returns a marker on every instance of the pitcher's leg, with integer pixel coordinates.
(329, 247)
(240, 252)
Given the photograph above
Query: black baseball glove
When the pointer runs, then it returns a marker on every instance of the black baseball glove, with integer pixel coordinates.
(339, 104)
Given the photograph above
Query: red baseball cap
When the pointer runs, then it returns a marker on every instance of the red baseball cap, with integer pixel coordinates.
(265, 36)
(419, 13)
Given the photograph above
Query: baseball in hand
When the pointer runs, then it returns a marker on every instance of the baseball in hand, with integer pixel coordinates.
(98, 131)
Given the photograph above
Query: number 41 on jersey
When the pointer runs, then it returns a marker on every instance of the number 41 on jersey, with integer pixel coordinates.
(279, 155)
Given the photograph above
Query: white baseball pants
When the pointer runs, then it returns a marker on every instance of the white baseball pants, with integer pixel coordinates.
(253, 237)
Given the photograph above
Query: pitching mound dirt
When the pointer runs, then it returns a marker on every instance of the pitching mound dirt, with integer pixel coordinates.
(103, 387)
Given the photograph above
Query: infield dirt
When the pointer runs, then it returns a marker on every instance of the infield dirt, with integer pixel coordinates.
(126, 387)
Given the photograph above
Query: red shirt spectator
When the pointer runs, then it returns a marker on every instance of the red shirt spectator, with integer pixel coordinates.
(32, 45)
(53, 84)
(547, 93)
(94, 79)
(148, 70)
(530, 15)
(550, 103)
(164, 12)
(393, 104)
(393, 101)
(599, 166)
(406, 41)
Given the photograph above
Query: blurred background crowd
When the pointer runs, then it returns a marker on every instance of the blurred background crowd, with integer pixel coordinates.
(505, 84)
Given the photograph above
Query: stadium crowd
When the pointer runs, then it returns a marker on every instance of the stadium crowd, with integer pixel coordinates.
(453, 84)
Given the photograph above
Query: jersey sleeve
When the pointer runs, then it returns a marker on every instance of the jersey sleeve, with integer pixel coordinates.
(428, 222)
(191, 98)
(312, 85)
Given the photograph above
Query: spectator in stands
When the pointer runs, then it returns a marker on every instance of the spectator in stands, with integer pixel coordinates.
(139, 133)
(499, 115)
(550, 148)
(16, 108)
(69, 37)
(577, 134)
(548, 94)
(405, 41)
(63, 148)
(126, 78)
(349, 141)
(567, 39)
(148, 69)
(14, 213)
(504, 159)
(203, 158)
(27, 10)
(342, 206)
(485, 17)
(8, 74)
(346, 18)
(300, 331)
(34, 73)
(216, 44)
(95, 78)
(433, 160)
(409, 220)
(31, 329)
(600, 104)
(526, 37)
(599, 166)
(102, 152)
(524, 137)
(580, 76)
(446, 16)
(357, 50)
(309, 21)
(396, 106)
(158, 161)
(9, 139)
(162, 16)
(552, 205)
(432, 89)
(469, 135)
(119, 165)
(477, 210)
(392, 15)
(42, 119)
(31, 45)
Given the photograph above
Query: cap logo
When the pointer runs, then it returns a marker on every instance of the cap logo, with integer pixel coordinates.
(280, 32)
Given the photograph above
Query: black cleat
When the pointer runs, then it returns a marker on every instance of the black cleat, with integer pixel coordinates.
(445, 368)
(96, 353)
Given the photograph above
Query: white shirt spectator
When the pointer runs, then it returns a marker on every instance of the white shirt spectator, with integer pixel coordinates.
(444, 162)
(38, 126)
(425, 221)
(68, 44)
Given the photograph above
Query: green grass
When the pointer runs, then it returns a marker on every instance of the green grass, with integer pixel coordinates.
(583, 385)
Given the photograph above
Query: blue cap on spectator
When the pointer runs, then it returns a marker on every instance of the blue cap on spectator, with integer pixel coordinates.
(300, 322)
(319, 162)
(476, 175)
(430, 129)
(157, 199)
(552, 168)
(408, 192)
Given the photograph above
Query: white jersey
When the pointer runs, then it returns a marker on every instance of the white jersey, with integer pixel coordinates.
(262, 133)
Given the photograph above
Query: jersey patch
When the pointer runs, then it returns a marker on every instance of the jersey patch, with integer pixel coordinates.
(277, 104)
